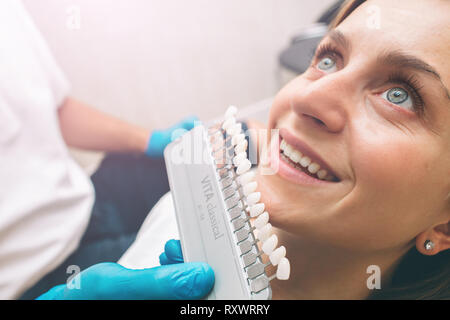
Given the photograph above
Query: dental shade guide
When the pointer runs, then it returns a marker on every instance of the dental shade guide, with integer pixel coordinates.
(215, 199)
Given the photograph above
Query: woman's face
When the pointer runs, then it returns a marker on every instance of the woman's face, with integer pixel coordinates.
(373, 109)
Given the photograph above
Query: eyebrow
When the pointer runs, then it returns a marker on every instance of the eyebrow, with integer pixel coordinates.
(395, 58)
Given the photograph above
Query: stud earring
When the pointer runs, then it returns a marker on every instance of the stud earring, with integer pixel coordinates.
(429, 245)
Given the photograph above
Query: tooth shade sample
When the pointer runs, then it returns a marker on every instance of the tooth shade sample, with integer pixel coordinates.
(262, 220)
(231, 112)
(237, 139)
(270, 244)
(264, 232)
(256, 209)
(284, 269)
(246, 178)
(234, 129)
(253, 198)
(243, 167)
(241, 146)
(249, 187)
(277, 255)
(228, 123)
(239, 158)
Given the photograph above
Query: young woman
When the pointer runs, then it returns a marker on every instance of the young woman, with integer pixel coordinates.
(373, 110)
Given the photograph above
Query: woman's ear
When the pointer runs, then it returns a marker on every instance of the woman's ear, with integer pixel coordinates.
(434, 240)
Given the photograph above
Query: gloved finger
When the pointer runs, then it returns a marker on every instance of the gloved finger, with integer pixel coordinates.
(189, 122)
(53, 294)
(173, 252)
(174, 281)
(163, 260)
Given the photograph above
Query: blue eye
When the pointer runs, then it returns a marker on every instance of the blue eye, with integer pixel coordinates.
(326, 64)
(398, 96)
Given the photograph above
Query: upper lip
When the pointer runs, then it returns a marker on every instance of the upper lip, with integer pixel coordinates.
(306, 150)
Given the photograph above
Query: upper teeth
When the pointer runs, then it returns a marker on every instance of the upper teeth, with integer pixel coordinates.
(297, 157)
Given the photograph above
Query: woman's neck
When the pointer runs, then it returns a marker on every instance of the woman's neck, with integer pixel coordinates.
(330, 273)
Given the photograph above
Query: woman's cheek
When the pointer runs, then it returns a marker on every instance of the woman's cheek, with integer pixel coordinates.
(390, 183)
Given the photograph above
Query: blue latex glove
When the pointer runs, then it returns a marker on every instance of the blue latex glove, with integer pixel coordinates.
(172, 253)
(172, 280)
(159, 139)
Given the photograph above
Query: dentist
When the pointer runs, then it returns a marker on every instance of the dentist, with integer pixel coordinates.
(46, 200)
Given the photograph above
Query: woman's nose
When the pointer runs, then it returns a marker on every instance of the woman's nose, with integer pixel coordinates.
(324, 103)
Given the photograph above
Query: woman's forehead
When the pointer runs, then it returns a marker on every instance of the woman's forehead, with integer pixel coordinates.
(408, 22)
(420, 28)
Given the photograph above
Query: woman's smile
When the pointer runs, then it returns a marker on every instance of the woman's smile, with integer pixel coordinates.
(297, 162)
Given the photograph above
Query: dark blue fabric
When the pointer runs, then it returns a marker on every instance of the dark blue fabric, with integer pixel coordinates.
(127, 186)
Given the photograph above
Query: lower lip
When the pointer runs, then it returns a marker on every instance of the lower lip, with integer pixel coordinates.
(290, 173)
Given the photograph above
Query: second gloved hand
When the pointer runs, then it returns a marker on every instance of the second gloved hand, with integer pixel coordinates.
(106, 281)
(159, 139)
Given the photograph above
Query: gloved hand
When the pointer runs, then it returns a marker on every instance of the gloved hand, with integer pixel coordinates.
(159, 139)
(172, 280)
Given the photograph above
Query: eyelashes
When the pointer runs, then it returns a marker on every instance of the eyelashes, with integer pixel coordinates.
(410, 83)
(324, 50)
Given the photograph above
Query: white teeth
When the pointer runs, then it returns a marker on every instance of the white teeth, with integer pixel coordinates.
(313, 167)
(241, 146)
(288, 150)
(244, 166)
(253, 198)
(262, 220)
(283, 145)
(296, 156)
(241, 156)
(246, 178)
(231, 112)
(234, 129)
(256, 209)
(236, 139)
(284, 269)
(264, 232)
(249, 187)
(270, 244)
(305, 161)
(322, 173)
(277, 255)
(228, 123)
